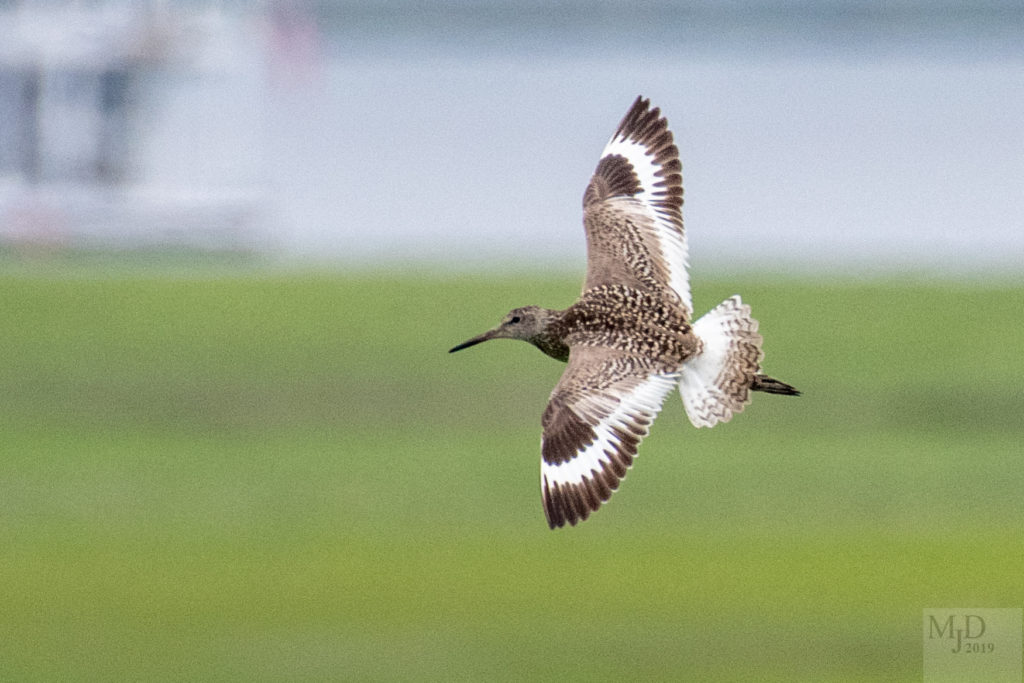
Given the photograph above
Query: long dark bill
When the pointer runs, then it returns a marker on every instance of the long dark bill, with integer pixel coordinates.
(471, 342)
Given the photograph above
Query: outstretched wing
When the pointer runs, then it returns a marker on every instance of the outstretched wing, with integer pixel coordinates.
(633, 210)
(599, 412)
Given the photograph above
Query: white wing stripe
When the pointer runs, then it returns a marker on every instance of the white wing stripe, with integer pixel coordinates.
(645, 400)
(643, 165)
(671, 242)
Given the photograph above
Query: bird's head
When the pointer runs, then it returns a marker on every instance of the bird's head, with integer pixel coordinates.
(526, 323)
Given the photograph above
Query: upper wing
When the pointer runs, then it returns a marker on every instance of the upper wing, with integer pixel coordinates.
(633, 209)
(599, 412)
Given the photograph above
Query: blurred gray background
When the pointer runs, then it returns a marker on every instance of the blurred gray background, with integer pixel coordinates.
(815, 136)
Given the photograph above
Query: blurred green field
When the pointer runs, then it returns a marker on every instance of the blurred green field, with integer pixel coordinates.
(248, 474)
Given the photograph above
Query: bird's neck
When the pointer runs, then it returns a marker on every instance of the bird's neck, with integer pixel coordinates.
(550, 339)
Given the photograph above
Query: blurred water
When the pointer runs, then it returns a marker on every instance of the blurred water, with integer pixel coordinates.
(866, 141)
(813, 135)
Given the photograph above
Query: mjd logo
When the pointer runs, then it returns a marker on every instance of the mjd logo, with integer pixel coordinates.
(972, 644)
(959, 627)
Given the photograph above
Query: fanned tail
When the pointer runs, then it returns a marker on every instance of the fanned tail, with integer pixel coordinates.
(716, 383)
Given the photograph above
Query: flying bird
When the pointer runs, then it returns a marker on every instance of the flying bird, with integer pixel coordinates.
(629, 339)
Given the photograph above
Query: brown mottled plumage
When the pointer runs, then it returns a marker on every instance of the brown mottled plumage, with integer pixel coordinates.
(628, 339)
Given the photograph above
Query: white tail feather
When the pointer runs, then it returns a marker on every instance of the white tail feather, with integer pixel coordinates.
(715, 383)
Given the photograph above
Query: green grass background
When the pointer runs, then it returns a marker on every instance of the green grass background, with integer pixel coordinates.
(249, 474)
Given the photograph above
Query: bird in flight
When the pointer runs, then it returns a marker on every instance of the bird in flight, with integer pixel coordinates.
(630, 338)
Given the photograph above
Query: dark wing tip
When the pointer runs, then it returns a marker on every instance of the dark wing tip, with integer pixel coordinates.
(647, 126)
(573, 502)
(639, 114)
(565, 437)
(616, 175)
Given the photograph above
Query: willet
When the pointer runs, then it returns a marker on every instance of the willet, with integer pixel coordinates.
(628, 339)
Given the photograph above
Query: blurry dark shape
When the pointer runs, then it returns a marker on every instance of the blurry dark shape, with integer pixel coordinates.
(83, 92)
(113, 146)
(19, 120)
(66, 122)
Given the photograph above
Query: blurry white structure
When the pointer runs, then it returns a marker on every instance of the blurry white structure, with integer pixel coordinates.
(106, 135)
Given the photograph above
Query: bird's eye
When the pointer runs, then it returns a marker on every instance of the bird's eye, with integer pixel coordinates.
(514, 319)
